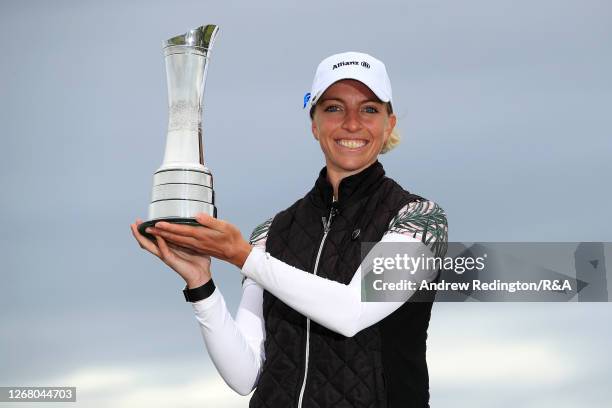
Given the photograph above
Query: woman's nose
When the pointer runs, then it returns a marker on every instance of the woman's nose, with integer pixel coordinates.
(351, 121)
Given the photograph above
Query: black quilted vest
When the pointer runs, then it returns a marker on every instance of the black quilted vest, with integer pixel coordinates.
(381, 366)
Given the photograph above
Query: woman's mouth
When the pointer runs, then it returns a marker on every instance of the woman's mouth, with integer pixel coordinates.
(353, 144)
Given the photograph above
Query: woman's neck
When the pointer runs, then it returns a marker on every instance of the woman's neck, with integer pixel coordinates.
(335, 176)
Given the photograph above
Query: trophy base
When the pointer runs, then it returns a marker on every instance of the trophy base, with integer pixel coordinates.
(178, 195)
(184, 221)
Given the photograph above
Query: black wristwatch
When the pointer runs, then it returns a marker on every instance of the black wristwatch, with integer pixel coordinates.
(199, 293)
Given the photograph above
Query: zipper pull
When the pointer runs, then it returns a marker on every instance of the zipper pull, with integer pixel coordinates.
(334, 210)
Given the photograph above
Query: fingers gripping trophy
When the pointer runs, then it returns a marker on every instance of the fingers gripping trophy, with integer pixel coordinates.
(183, 185)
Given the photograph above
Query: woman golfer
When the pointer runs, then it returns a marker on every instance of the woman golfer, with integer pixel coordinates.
(302, 337)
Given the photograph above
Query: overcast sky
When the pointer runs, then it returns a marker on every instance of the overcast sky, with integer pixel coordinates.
(504, 110)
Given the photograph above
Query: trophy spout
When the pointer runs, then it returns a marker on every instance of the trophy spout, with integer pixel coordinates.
(200, 38)
(186, 58)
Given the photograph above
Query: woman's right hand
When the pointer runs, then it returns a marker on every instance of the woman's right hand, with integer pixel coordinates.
(193, 267)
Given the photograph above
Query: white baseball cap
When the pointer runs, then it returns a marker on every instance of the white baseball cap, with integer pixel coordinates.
(350, 65)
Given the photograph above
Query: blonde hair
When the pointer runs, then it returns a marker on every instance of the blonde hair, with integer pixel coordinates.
(393, 140)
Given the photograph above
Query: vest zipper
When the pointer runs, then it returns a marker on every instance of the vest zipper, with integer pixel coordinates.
(326, 228)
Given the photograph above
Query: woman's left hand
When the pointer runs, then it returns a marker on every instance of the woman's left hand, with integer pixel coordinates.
(219, 238)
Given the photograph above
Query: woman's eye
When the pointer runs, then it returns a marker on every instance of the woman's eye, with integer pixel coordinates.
(332, 108)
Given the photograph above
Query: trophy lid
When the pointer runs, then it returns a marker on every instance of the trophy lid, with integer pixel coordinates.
(201, 37)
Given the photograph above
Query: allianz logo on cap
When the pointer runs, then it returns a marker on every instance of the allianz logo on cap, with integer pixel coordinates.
(343, 63)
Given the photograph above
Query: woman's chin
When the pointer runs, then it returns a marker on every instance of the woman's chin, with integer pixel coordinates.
(351, 164)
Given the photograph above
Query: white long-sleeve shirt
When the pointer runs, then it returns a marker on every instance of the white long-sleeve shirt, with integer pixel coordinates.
(236, 346)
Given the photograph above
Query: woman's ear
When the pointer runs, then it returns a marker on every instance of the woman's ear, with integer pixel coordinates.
(391, 122)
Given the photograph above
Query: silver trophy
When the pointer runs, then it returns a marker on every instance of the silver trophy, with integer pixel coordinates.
(183, 185)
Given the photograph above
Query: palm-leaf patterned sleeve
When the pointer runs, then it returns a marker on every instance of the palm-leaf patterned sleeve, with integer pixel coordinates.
(424, 220)
(259, 235)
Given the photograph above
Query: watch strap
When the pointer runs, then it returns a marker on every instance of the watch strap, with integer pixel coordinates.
(199, 293)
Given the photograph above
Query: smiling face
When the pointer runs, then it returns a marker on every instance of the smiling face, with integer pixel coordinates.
(351, 125)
